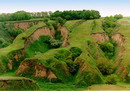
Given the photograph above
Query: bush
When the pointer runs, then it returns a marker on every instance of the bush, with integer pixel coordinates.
(111, 79)
(45, 39)
(15, 33)
(55, 43)
(62, 54)
(88, 76)
(73, 67)
(109, 24)
(105, 66)
(118, 16)
(5, 44)
(46, 20)
(108, 48)
(58, 35)
(49, 25)
(61, 21)
(75, 52)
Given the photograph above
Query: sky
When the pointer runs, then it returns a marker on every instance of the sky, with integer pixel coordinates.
(105, 7)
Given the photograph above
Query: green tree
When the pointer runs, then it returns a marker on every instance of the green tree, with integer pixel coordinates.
(118, 16)
(20, 15)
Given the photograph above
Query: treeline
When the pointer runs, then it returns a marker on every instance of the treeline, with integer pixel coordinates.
(74, 15)
(68, 15)
(23, 15)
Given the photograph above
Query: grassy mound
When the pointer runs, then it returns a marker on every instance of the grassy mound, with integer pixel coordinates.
(17, 83)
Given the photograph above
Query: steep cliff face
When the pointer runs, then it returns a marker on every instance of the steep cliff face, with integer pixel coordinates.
(64, 33)
(100, 37)
(122, 68)
(119, 39)
(44, 31)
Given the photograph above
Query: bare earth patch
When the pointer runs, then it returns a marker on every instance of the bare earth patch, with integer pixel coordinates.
(106, 87)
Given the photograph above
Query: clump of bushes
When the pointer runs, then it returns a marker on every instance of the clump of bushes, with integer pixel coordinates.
(58, 35)
(108, 48)
(75, 52)
(62, 54)
(71, 54)
(88, 76)
(105, 66)
(53, 43)
(60, 20)
(15, 33)
(73, 66)
(111, 79)
(109, 24)
(68, 57)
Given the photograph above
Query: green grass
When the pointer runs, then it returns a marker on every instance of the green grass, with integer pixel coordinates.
(124, 29)
(97, 26)
(59, 87)
(72, 24)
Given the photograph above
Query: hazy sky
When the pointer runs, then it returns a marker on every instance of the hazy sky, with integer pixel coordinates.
(106, 7)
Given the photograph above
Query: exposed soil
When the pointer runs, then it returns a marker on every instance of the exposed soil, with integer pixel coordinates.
(106, 87)
(43, 31)
(100, 37)
(64, 33)
(25, 25)
(39, 69)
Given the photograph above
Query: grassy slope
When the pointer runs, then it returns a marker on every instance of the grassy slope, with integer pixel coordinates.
(125, 30)
(18, 43)
(78, 37)
(4, 36)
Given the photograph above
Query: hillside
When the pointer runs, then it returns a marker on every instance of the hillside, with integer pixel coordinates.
(73, 55)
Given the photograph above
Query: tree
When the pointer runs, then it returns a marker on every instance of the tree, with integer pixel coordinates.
(73, 15)
(20, 15)
(118, 16)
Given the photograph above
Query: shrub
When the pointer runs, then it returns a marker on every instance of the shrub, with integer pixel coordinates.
(73, 67)
(58, 35)
(55, 25)
(62, 54)
(55, 43)
(5, 44)
(108, 48)
(46, 20)
(15, 33)
(109, 24)
(118, 16)
(45, 39)
(75, 52)
(88, 76)
(61, 21)
(111, 79)
(105, 66)
(49, 25)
